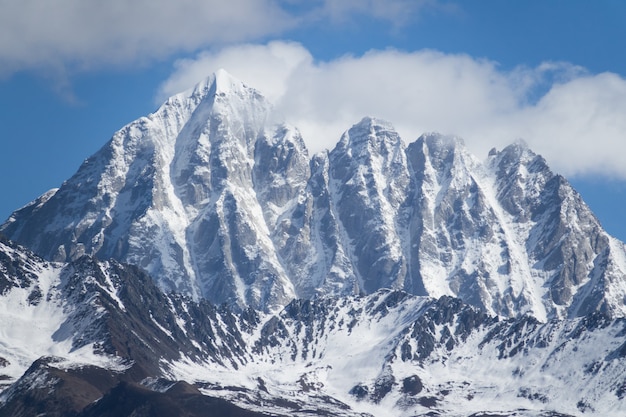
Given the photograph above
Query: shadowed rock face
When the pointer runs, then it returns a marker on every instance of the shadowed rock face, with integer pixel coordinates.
(56, 392)
(96, 392)
(216, 199)
(181, 399)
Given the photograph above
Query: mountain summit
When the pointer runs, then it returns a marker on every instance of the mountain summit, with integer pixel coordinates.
(216, 198)
(176, 194)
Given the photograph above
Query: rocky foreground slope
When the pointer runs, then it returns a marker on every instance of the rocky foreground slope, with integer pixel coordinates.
(91, 338)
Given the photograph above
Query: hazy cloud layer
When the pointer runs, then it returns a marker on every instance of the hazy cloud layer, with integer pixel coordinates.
(91, 34)
(573, 118)
(86, 33)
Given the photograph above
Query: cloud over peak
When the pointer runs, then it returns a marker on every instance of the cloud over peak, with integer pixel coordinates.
(575, 119)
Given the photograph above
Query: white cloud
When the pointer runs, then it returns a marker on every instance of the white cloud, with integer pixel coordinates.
(69, 35)
(573, 118)
(88, 33)
(264, 67)
(580, 124)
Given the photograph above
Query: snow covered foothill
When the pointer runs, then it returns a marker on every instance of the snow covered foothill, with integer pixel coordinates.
(385, 354)
(39, 319)
(393, 354)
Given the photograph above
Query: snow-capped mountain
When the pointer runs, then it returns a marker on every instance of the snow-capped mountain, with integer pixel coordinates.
(176, 193)
(216, 199)
(93, 338)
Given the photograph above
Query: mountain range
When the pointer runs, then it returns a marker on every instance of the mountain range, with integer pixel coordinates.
(203, 262)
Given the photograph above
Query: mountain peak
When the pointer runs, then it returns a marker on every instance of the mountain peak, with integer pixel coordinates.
(516, 150)
(440, 142)
(370, 136)
(227, 83)
(219, 84)
(371, 127)
(518, 160)
(444, 153)
(373, 122)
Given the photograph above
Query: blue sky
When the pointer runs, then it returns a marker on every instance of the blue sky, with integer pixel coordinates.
(552, 72)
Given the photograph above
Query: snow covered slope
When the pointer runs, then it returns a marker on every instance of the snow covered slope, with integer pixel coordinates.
(393, 354)
(216, 199)
(45, 312)
(84, 331)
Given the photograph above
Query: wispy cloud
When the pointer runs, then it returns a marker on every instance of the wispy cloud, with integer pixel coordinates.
(91, 33)
(268, 66)
(575, 119)
(70, 35)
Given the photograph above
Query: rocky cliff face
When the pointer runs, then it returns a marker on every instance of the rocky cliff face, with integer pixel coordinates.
(216, 199)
